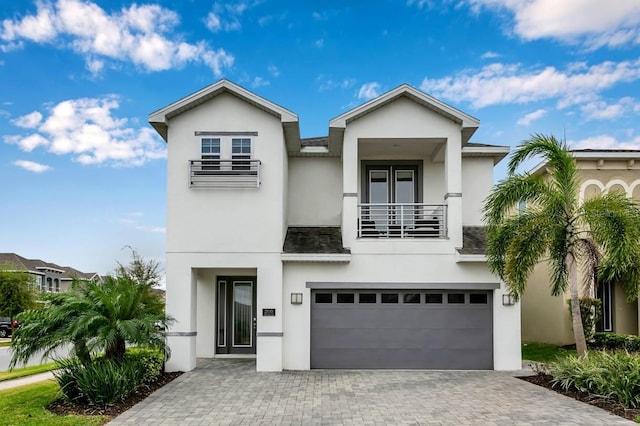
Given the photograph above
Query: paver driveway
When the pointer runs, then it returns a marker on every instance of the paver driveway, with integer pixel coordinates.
(231, 392)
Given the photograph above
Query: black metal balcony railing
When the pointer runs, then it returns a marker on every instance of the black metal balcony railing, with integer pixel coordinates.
(413, 220)
(238, 173)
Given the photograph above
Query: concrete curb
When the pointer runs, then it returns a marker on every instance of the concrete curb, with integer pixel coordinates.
(27, 380)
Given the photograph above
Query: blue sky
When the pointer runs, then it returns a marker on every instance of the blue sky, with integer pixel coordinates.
(82, 173)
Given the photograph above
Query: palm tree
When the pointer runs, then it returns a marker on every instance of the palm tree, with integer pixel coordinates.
(602, 234)
(94, 318)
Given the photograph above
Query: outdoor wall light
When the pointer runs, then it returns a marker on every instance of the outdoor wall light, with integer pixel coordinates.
(296, 298)
(508, 300)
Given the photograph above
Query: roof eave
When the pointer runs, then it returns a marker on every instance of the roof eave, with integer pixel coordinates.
(159, 119)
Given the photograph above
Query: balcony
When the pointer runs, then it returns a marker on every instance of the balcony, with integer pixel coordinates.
(236, 173)
(402, 220)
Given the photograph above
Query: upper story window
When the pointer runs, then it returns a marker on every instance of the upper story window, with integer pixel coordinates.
(391, 202)
(226, 160)
(241, 150)
(210, 149)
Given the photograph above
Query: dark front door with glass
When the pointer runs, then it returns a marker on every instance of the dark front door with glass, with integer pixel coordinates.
(236, 315)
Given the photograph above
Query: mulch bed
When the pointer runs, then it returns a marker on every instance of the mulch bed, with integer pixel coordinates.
(60, 406)
(613, 407)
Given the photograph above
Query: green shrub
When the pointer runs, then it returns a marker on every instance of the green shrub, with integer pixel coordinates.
(151, 361)
(590, 312)
(105, 381)
(612, 341)
(614, 375)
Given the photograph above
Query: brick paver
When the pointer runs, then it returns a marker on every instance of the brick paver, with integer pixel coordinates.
(231, 392)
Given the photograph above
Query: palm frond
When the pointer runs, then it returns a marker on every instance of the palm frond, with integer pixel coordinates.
(508, 192)
(613, 222)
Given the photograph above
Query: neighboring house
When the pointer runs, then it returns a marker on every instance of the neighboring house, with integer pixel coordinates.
(546, 318)
(362, 249)
(47, 277)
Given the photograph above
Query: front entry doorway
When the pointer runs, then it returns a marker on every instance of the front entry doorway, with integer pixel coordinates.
(236, 315)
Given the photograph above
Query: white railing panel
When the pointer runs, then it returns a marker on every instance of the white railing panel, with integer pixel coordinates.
(406, 220)
(238, 173)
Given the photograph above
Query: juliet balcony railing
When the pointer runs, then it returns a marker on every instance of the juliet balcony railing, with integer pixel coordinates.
(236, 173)
(402, 220)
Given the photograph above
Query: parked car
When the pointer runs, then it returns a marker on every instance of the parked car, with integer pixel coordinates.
(5, 326)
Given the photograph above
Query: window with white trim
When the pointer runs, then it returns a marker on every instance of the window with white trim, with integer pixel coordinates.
(241, 150)
(210, 151)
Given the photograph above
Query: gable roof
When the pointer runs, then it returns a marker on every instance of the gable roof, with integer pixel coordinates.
(159, 119)
(469, 124)
(36, 266)
(595, 154)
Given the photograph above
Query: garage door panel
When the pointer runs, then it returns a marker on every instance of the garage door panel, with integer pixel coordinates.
(399, 335)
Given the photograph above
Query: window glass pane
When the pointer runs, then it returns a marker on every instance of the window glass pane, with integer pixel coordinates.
(241, 146)
(346, 298)
(478, 298)
(411, 298)
(324, 298)
(222, 313)
(455, 298)
(389, 298)
(210, 146)
(405, 187)
(433, 298)
(367, 297)
(378, 186)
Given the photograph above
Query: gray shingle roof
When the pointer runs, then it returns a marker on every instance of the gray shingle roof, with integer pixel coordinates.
(474, 240)
(308, 239)
(25, 264)
(318, 141)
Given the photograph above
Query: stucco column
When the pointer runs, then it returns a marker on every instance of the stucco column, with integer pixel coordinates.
(181, 305)
(269, 333)
(350, 190)
(453, 195)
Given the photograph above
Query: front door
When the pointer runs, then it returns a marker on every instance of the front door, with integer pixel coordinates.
(236, 315)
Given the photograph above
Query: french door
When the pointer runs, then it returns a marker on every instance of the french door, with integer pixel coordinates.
(236, 315)
(392, 191)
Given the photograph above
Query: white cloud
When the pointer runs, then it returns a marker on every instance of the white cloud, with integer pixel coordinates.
(369, 91)
(28, 121)
(490, 55)
(420, 4)
(31, 166)
(604, 142)
(86, 129)
(320, 16)
(600, 110)
(593, 22)
(259, 82)
(510, 83)
(532, 116)
(273, 70)
(142, 35)
(226, 17)
(327, 83)
(319, 43)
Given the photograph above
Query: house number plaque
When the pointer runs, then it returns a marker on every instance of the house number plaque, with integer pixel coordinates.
(268, 312)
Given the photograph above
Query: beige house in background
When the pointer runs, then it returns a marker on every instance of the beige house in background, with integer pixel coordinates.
(546, 318)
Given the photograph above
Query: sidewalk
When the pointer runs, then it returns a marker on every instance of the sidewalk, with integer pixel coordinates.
(27, 380)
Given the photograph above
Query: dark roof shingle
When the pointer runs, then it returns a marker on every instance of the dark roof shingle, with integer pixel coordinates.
(310, 239)
(474, 240)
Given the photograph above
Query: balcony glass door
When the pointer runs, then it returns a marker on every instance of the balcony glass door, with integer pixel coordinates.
(236, 315)
(391, 191)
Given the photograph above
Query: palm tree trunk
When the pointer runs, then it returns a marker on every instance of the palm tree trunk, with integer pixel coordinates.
(578, 331)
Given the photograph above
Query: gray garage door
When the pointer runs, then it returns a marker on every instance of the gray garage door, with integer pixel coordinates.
(401, 329)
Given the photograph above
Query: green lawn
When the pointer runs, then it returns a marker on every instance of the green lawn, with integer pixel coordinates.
(26, 405)
(26, 371)
(542, 352)
(5, 344)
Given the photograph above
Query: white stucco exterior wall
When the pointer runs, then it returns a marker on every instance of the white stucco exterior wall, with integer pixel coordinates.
(315, 191)
(477, 181)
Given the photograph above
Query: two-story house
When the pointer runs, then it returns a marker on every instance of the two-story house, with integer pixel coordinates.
(47, 277)
(546, 318)
(362, 249)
